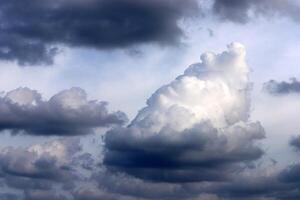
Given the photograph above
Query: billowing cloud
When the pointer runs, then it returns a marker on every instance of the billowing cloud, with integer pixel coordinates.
(194, 129)
(242, 11)
(281, 88)
(193, 141)
(68, 112)
(41, 170)
(30, 35)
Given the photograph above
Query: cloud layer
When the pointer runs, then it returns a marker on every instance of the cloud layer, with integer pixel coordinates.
(69, 112)
(30, 35)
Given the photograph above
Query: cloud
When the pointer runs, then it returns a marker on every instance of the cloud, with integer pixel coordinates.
(30, 35)
(45, 195)
(68, 112)
(8, 196)
(193, 141)
(243, 11)
(282, 88)
(93, 194)
(289, 176)
(198, 154)
(40, 170)
(295, 142)
(193, 129)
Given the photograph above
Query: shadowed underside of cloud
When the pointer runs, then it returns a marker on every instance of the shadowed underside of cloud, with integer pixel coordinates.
(193, 155)
(31, 28)
(282, 88)
(56, 171)
(67, 113)
(242, 11)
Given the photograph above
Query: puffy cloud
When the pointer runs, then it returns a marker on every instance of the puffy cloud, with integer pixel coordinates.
(67, 113)
(281, 88)
(30, 35)
(194, 129)
(41, 170)
(242, 11)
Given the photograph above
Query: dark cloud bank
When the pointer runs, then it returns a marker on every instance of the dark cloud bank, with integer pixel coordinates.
(31, 29)
(57, 170)
(68, 112)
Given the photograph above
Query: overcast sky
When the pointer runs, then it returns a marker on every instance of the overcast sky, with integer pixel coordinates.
(149, 99)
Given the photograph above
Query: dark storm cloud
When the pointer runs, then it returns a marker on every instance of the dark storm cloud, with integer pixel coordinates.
(284, 87)
(30, 28)
(201, 153)
(67, 113)
(241, 11)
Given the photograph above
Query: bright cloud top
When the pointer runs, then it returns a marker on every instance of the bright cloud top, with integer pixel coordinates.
(198, 121)
(215, 89)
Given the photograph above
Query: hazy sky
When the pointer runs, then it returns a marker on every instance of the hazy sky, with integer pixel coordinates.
(149, 99)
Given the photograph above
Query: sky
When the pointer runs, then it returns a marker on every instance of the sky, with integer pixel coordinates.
(149, 99)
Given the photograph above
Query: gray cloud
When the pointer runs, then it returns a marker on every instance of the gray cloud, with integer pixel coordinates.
(38, 166)
(242, 11)
(281, 88)
(32, 28)
(43, 195)
(9, 196)
(67, 113)
(41, 171)
(201, 153)
(64, 174)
